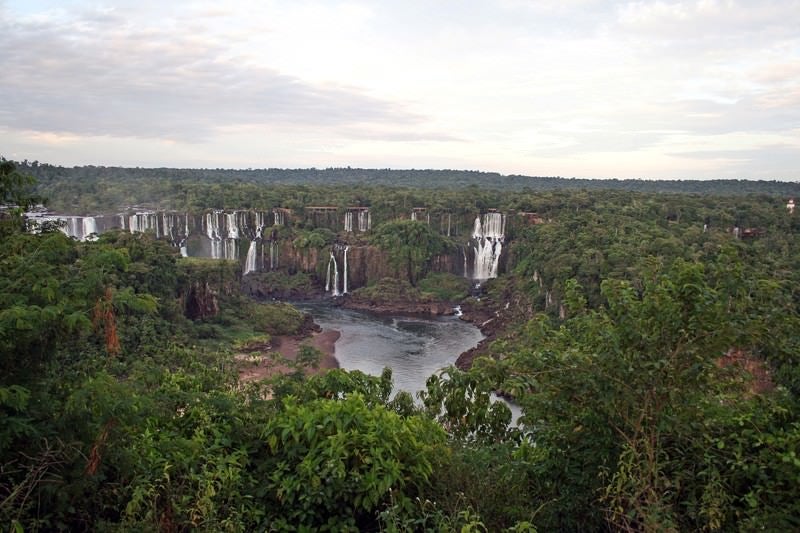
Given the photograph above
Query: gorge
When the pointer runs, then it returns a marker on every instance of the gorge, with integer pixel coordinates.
(338, 252)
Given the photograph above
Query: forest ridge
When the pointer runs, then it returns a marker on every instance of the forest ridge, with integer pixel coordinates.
(413, 178)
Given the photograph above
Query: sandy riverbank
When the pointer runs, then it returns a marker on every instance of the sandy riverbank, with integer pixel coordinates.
(258, 364)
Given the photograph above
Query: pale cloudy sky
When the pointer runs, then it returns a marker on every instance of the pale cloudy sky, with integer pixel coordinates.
(666, 89)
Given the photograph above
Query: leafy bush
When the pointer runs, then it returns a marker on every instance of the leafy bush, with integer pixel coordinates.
(445, 287)
(391, 290)
(331, 464)
(274, 318)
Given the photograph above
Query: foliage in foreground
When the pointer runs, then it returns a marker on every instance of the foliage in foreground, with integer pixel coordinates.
(119, 413)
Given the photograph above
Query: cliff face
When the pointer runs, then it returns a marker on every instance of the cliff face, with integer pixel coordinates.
(201, 283)
(262, 240)
(366, 264)
(200, 301)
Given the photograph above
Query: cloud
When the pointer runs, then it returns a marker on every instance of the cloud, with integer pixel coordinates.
(765, 162)
(710, 20)
(583, 87)
(98, 74)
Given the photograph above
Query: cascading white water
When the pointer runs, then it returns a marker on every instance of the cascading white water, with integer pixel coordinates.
(231, 243)
(143, 221)
(73, 228)
(273, 255)
(80, 228)
(89, 228)
(169, 227)
(260, 224)
(231, 225)
(344, 291)
(280, 218)
(360, 220)
(334, 288)
(328, 275)
(488, 236)
(250, 261)
(211, 222)
(183, 244)
(230, 249)
(364, 221)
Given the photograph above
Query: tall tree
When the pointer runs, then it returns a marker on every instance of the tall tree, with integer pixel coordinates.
(410, 244)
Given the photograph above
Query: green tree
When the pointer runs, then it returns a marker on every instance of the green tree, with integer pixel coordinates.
(410, 246)
(616, 396)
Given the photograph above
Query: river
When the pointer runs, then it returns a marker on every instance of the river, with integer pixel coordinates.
(413, 347)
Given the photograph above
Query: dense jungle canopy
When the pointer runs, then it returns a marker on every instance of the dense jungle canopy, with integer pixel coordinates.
(654, 352)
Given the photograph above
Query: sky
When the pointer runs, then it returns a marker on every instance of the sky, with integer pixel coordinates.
(574, 88)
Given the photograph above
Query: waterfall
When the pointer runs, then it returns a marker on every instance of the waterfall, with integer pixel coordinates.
(335, 287)
(273, 255)
(348, 222)
(143, 221)
(328, 275)
(212, 228)
(252, 253)
(449, 218)
(72, 228)
(223, 245)
(344, 291)
(230, 223)
(169, 227)
(89, 227)
(80, 228)
(417, 215)
(464, 252)
(211, 221)
(250, 261)
(231, 249)
(260, 224)
(280, 218)
(364, 221)
(183, 243)
(335, 276)
(488, 236)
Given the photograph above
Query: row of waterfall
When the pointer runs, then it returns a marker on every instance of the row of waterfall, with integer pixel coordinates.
(219, 225)
(175, 227)
(252, 238)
